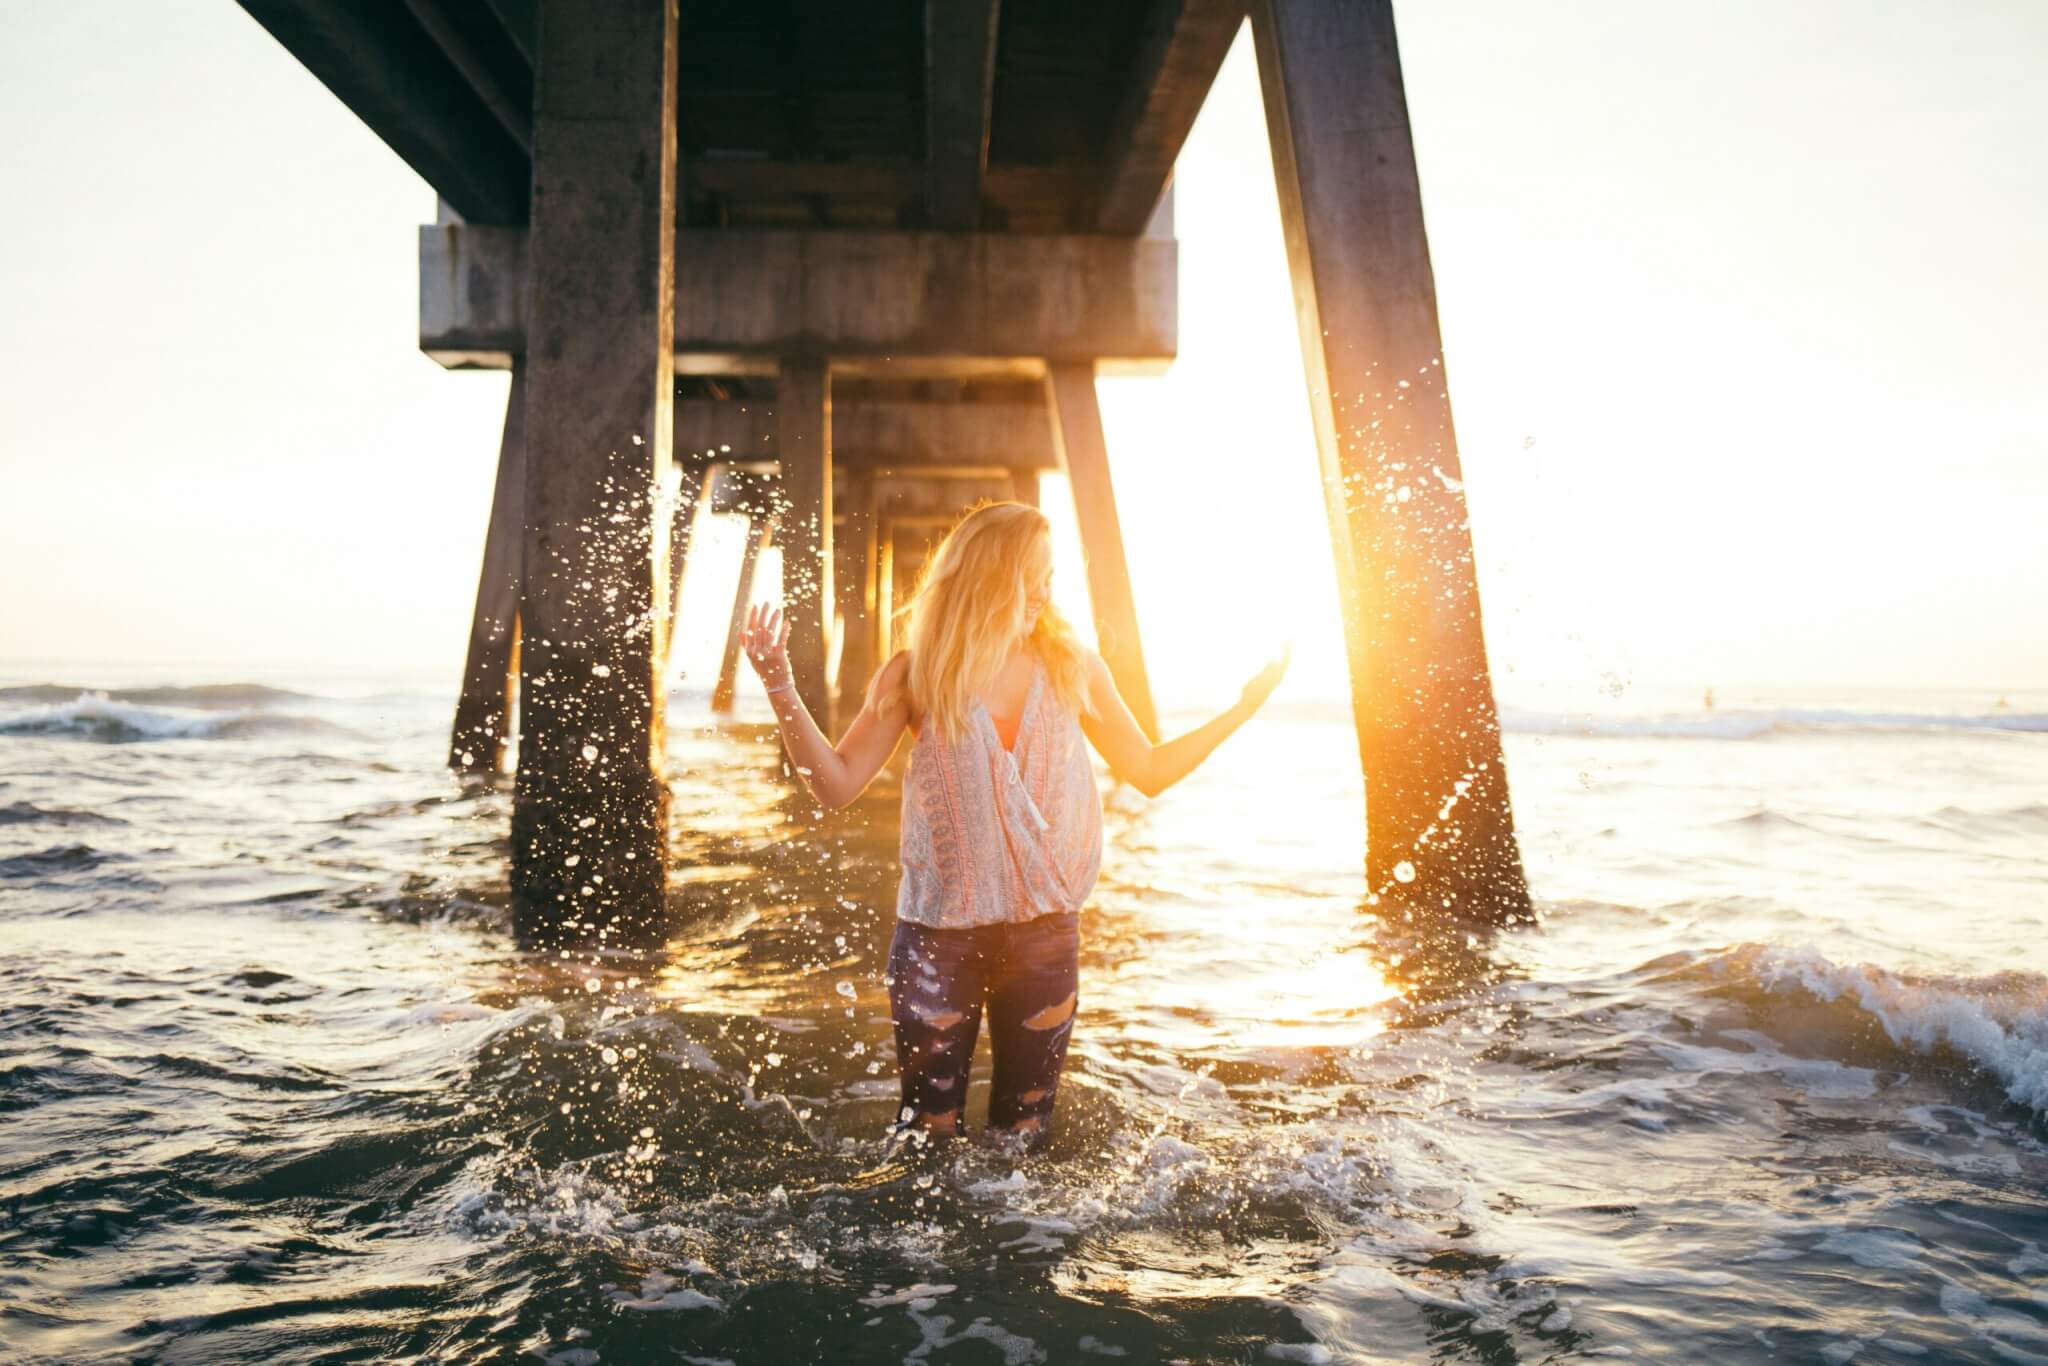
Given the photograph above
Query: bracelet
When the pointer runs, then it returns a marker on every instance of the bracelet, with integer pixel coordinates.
(787, 687)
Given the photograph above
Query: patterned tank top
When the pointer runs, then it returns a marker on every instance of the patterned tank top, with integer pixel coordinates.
(991, 835)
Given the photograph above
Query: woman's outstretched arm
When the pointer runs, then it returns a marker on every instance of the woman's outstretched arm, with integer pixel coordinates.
(835, 774)
(1151, 768)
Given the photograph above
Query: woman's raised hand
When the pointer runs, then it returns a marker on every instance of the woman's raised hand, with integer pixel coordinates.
(1262, 684)
(766, 641)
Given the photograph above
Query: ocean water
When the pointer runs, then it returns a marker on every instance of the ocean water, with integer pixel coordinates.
(1768, 1081)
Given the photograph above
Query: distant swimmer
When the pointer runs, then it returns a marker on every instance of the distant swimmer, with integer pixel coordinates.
(1002, 819)
(1708, 700)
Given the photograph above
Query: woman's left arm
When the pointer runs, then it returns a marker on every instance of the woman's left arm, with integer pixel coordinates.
(1152, 768)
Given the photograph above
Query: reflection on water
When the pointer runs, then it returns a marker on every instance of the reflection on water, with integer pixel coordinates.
(1766, 1083)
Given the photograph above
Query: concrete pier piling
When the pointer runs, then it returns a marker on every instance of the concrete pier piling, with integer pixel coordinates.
(590, 805)
(1440, 833)
(887, 276)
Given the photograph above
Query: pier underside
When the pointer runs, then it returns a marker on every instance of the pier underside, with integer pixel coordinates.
(843, 277)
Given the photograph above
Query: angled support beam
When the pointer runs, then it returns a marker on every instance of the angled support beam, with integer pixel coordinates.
(959, 83)
(490, 675)
(1077, 423)
(378, 61)
(1183, 47)
(692, 487)
(760, 535)
(803, 410)
(590, 807)
(1440, 835)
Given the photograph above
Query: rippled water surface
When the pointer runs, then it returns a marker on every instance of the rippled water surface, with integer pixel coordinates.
(1767, 1083)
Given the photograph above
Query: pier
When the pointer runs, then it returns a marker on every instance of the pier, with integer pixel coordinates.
(842, 270)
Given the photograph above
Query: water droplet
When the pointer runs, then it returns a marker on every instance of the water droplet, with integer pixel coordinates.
(590, 754)
(610, 1056)
(845, 989)
(602, 670)
(591, 984)
(1404, 871)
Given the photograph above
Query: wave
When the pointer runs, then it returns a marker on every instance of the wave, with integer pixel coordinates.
(98, 716)
(28, 813)
(1755, 725)
(1998, 1023)
(60, 858)
(202, 696)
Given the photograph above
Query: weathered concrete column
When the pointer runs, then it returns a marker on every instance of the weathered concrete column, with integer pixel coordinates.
(694, 485)
(760, 532)
(483, 713)
(854, 586)
(1440, 834)
(803, 441)
(1077, 432)
(590, 809)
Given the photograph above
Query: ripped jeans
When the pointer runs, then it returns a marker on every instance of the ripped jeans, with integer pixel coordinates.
(939, 981)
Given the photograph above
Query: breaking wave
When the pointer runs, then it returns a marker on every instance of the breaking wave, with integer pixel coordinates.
(1997, 1023)
(99, 717)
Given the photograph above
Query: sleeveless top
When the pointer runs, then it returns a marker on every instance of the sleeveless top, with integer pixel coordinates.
(991, 836)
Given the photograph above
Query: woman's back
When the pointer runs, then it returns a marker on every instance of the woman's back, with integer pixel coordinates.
(995, 832)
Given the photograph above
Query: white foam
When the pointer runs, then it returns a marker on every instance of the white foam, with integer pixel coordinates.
(2002, 1026)
(661, 1291)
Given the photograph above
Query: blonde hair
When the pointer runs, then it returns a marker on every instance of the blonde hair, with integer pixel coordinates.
(968, 611)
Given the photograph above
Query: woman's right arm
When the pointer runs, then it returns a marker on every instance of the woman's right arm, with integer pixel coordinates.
(835, 774)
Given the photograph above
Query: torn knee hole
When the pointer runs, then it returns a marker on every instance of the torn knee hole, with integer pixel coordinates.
(1033, 1097)
(1052, 1017)
(937, 1019)
(942, 1083)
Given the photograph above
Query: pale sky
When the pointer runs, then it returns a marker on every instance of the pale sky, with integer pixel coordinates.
(1742, 310)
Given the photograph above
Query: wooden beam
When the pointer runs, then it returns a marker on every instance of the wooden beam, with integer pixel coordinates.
(886, 181)
(476, 44)
(959, 83)
(804, 432)
(1440, 833)
(590, 807)
(378, 61)
(853, 582)
(1183, 47)
(1084, 454)
(898, 300)
(900, 433)
(520, 24)
(483, 712)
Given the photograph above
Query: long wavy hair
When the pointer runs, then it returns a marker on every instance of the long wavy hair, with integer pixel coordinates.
(967, 612)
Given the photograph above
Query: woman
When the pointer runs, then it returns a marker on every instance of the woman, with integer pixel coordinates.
(1002, 821)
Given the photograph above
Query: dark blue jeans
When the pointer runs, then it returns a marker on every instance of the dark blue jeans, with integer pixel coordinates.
(940, 982)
